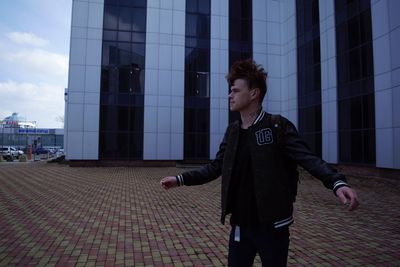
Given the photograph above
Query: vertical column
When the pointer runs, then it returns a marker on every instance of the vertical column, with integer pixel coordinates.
(289, 106)
(84, 80)
(263, 19)
(219, 68)
(267, 48)
(385, 36)
(328, 82)
(164, 93)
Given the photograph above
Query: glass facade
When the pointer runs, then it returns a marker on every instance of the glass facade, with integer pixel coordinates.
(355, 81)
(122, 80)
(309, 73)
(11, 137)
(240, 36)
(197, 80)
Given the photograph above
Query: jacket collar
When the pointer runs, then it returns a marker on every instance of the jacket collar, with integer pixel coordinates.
(260, 116)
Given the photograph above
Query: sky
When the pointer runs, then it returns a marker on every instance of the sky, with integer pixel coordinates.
(34, 58)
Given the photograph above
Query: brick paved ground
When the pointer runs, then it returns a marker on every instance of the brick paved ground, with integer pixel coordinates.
(56, 215)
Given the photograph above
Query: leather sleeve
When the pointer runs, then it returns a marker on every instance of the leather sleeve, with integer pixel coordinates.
(210, 171)
(298, 150)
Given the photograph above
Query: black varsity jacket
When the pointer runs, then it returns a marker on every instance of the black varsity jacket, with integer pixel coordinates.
(276, 150)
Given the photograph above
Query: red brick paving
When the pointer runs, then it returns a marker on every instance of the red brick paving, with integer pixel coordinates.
(54, 215)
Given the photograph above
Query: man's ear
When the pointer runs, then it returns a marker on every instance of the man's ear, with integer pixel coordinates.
(255, 92)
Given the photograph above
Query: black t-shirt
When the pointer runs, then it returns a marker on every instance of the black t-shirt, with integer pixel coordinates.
(242, 200)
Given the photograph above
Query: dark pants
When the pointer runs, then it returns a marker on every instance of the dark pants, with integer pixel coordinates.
(271, 244)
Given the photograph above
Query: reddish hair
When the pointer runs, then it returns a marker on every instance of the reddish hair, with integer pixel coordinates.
(253, 73)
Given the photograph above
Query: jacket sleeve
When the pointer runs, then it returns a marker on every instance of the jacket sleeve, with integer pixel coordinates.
(298, 150)
(208, 172)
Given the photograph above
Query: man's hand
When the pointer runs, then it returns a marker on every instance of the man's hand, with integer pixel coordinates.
(346, 194)
(169, 182)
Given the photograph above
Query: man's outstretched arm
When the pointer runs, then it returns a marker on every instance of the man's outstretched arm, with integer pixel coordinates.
(169, 182)
(348, 197)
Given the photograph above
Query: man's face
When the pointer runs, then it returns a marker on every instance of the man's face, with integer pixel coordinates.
(240, 95)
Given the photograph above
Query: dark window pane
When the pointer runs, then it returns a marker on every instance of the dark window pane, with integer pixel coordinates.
(107, 118)
(110, 53)
(128, 3)
(344, 114)
(136, 119)
(354, 32)
(124, 36)
(369, 145)
(108, 146)
(139, 19)
(110, 35)
(356, 112)
(367, 61)
(136, 145)
(355, 64)
(316, 51)
(197, 84)
(123, 121)
(315, 13)
(196, 133)
(365, 26)
(368, 111)
(138, 37)
(124, 53)
(356, 141)
(125, 19)
(197, 60)
(191, 6)
(198, 26)
(138, 56)
(204, 7)
(111, 17)
(105, 80)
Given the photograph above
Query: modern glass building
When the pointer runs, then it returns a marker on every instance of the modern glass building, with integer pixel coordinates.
(147, 78)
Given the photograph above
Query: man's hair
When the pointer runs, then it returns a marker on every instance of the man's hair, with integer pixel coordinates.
(249, 70)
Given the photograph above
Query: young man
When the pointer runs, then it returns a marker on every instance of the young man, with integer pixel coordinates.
(258, 160)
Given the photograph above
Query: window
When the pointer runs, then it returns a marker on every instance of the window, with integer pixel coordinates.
(197, 82)
(240, 37)
(309, 74)
(122, 80)
(356, 110)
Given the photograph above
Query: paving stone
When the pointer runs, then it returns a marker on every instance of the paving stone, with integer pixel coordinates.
(54, 215)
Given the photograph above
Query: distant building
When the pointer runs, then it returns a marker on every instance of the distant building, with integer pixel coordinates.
(17, 132)
(147, 78)
(15, 121)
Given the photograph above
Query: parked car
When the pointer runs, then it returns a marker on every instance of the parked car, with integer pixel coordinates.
(40, 150)
(9, 153)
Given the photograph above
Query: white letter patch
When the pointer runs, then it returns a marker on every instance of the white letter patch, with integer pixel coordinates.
(264, 136)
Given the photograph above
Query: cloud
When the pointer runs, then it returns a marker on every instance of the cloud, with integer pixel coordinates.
(39, 61)
(41, 102)
(26, 38)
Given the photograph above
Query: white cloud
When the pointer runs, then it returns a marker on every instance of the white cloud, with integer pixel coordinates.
(27, 38)
(36, 102)
(39, 61)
